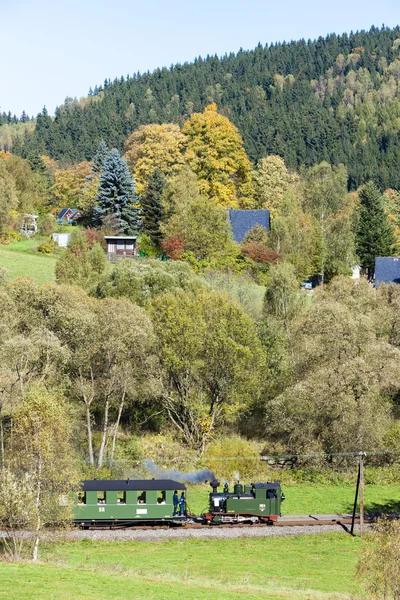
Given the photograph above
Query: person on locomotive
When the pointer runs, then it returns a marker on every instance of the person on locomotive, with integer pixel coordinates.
(182, 505)
(175, 502)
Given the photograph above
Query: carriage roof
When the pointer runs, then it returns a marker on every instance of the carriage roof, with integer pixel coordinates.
(103, 485)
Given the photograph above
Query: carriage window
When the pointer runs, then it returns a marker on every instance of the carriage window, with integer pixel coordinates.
(101, 497)
(81, 498)
(161, 496)
(271, 494)
(142, 498)
(121, 497)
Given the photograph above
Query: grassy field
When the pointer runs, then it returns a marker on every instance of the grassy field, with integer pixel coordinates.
(321, 566)
(21, 260)
(310, 499)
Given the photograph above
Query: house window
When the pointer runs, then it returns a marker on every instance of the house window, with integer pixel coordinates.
(120, 244)
(101, 497)
(111, 248)
(141, 498)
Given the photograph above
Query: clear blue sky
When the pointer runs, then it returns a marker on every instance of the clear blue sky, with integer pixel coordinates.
(51, 50)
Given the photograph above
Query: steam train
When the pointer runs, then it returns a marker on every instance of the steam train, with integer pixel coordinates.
(124, 503)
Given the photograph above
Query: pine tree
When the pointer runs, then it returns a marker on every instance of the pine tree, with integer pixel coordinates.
(375, 234)
(100, 157)
(116, 195)
(151, 206)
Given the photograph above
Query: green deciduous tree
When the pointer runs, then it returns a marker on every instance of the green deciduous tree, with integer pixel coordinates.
(81, 264)
(210, 356)
(327, 201)
(191, 217)
(8, 198)
(40, 446)
(272, 180)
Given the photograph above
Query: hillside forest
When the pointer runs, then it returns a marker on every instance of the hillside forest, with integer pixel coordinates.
(202, 347)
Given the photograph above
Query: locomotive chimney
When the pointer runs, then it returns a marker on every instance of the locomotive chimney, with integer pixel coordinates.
(214, 484)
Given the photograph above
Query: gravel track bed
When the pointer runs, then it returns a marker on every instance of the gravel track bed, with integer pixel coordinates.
(136, 535)
(149, 535)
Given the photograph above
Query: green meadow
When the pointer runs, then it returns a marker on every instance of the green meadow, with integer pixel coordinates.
(21, 260)
(314, 566)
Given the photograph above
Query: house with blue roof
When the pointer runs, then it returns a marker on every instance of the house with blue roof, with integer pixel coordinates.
(387, 270)
(68, 215)
(242, 221)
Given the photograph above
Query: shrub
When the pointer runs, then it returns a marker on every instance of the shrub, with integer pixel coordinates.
(146, 246)
(46, 247)
(258, 252)
(174, 248)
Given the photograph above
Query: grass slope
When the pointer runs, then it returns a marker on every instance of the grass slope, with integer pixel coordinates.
(320, 566)
(20, 259)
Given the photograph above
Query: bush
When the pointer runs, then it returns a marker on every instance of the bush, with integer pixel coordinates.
(146, 246)
(46, 247)
(174, 248)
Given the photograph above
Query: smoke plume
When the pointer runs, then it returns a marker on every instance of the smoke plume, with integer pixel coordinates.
(196, 477)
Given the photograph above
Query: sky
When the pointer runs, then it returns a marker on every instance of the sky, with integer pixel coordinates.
(53, 50)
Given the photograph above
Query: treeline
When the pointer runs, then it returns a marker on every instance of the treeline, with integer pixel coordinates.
(333, 99)
(158, 348)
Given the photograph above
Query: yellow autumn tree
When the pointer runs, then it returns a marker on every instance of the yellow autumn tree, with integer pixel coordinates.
(214, 151)
(69, 184)
(151, 147)
(271, 180)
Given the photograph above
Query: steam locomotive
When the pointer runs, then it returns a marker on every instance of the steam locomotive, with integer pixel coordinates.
(123, 503)
(257, 502)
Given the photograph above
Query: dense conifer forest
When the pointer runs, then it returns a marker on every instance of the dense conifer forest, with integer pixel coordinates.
(333, 99)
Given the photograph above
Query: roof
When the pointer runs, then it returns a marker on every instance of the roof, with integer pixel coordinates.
(269, 485)
(120, 237)
(74, 213)
(244, 220)
(387, 269)
(139, 485)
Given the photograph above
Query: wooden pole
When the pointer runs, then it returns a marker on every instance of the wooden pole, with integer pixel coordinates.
(362, 454)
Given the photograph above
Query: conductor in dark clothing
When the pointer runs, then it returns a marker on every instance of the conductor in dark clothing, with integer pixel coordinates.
(182, 505)
(175, 501)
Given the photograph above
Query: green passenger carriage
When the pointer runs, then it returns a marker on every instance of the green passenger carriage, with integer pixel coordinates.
(126, 502)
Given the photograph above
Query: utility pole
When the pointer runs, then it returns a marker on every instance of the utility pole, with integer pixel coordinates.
(361, 455)
(359, 486)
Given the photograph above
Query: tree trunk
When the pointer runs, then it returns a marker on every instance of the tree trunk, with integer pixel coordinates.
(121, 406)
(38, 523)
(1, 441)
(104, 437)
(89, 434)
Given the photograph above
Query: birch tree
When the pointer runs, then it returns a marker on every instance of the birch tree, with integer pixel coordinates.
(40, 447)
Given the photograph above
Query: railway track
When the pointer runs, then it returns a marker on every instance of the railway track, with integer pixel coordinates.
(286, 521)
